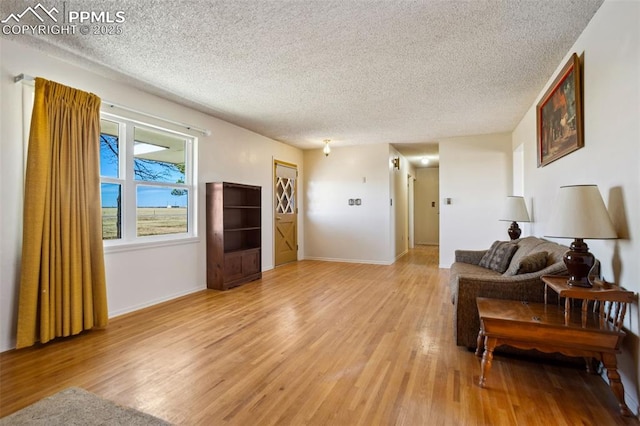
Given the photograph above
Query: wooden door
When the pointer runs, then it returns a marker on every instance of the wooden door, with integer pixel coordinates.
(285, 213)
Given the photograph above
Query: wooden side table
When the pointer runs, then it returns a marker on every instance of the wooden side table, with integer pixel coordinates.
(600, 292)
(550, 328)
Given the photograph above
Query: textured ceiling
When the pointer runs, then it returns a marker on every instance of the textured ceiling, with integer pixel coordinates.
(355, 72)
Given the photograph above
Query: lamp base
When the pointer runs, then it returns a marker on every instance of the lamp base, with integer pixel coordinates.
(514, 231)
(579, 262)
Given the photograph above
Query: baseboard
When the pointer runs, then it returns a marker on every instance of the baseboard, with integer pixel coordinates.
(333, 259)
(134, 308)
(117, 313)
(400, 255)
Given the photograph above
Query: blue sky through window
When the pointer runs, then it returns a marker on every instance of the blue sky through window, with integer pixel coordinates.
(108, 155)
(149, 196)
(146, 170)
(110, 192)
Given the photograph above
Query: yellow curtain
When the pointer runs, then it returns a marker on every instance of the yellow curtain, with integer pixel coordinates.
(62, 283)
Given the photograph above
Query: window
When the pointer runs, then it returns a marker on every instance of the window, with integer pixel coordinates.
(147, 188)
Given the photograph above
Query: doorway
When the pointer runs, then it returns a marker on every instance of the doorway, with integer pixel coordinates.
(410, 210)
(285, 212)
(427, 206)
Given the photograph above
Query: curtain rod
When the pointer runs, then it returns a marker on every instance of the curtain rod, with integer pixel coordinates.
(29, 79)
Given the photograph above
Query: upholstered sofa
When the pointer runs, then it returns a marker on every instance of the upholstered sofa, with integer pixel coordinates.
(516, 277)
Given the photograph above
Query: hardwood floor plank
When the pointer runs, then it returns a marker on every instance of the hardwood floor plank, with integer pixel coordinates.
(311, 343)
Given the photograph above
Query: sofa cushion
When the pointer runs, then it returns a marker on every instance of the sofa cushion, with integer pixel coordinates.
(526, 246)
(556, 251)
(499, 256)
(530, 245)
(533, 263)
(465, 269)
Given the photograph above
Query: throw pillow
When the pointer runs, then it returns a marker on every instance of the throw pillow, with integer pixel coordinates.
(498, 256)
(532, 263)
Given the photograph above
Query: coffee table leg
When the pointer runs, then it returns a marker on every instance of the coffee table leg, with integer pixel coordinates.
(610, 363)
(489, 346)
(479, 343)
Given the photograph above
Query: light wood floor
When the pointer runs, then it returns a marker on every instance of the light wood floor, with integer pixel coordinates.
(311, 343)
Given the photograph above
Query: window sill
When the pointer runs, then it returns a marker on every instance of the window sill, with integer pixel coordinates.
(113, 247)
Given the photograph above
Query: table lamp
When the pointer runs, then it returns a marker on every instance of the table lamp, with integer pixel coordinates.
(515, 210)
(580, 213)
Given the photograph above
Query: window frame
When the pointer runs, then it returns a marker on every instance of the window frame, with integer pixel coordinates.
(129, 187)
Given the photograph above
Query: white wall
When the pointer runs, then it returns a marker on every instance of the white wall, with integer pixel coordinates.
(142, 277)
(427, 189)
(476, 173)
(333, 229)
(518, 171)
(399, 210)
(610, 46)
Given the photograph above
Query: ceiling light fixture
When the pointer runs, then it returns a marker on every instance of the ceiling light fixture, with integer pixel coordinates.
(424, 161)
(326, 148)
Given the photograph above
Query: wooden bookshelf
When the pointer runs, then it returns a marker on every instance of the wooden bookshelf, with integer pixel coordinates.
(234, 232)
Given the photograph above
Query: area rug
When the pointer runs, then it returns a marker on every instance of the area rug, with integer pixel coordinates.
(75, 406)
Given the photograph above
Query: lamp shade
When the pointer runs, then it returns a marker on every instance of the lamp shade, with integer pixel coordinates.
(579, 212)
(515, 210)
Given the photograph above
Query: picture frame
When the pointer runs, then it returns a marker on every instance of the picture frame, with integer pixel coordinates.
(559, 115)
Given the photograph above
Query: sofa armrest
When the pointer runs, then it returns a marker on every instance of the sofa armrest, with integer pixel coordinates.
(527, 287)
(469, 256)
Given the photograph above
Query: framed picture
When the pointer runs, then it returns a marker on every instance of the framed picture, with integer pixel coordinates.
(559, 114)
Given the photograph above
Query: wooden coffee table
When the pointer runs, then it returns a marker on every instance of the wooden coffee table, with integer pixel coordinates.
(546, 328)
